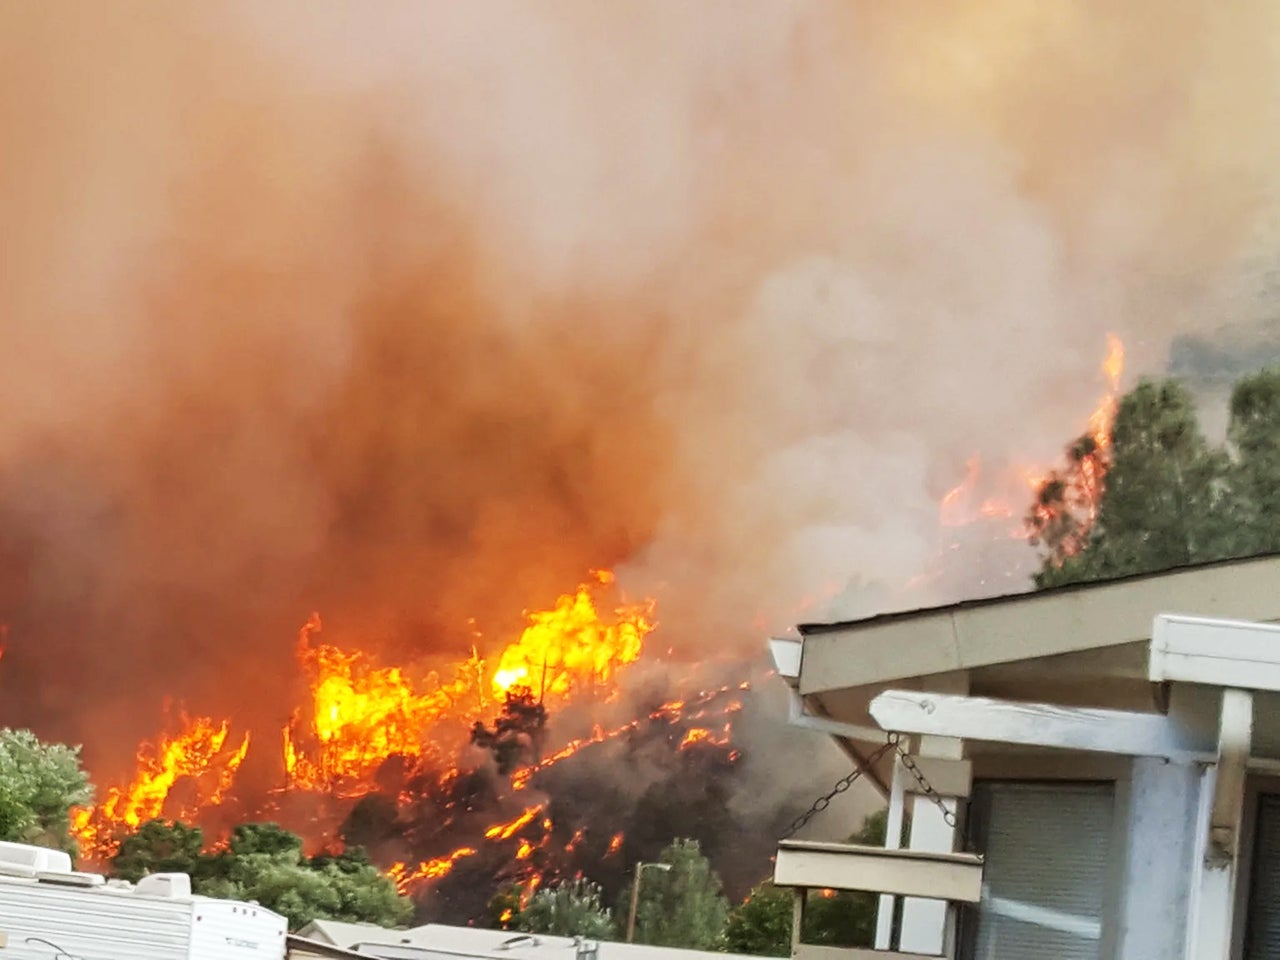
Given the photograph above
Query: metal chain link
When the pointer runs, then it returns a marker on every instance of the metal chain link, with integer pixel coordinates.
(908, 761)
(841, 785)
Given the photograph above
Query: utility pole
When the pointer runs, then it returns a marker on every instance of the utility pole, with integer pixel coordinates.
(635, 896)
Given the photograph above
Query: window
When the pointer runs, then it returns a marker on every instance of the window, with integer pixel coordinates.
(1046, 849)
(1262, 926)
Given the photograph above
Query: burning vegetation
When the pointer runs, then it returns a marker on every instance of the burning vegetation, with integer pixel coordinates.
(456, 771)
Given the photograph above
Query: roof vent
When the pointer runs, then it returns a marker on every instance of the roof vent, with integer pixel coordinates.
(171, 886)
(71, 878)
(524, 940)
(26, 860)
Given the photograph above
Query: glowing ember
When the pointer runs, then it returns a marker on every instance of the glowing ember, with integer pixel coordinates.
(615, 844)
(504, 831)
(405, 878)
(695, 735)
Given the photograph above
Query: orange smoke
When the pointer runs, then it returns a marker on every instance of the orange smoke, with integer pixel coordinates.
(967, 502)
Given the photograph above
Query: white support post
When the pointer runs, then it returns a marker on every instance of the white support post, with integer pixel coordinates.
(892, 841)
(925, 922)
(1209, 919)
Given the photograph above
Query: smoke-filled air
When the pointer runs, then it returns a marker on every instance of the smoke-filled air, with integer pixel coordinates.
(344, 342)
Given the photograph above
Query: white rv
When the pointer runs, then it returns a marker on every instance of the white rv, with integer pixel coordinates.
(50, 912)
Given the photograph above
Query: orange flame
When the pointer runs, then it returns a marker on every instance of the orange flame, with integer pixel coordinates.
(504, 831)
(570, 646)
(362, 713)
(198, 753)
(406, 879)
(615, 844)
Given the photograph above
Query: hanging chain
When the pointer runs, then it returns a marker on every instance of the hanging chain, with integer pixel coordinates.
(893, 742)
(841, 785)
(909, 762)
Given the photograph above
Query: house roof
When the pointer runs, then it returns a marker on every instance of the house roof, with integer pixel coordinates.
(339, 933)
(1026, 626)
(304, 947)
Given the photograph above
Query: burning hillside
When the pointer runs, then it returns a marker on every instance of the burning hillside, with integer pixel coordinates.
(469, 769)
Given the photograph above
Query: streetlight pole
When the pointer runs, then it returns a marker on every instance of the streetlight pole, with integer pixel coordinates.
(635, 896)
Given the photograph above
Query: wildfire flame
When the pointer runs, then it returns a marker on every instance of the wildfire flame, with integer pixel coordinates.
(359, 713)
(962, 504)
(405, 878)
(570, 646)
(198, 753)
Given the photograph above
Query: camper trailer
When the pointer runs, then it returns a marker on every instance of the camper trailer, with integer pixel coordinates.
(50, 912)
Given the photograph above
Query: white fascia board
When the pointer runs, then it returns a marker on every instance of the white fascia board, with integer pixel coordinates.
(1225, 653)
(883, 650)
(786, 658)
(1037, 724)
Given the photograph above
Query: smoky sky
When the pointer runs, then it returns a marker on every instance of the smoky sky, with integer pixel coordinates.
(414, 314)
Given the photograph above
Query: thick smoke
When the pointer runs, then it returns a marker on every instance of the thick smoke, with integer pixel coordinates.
(414, 314)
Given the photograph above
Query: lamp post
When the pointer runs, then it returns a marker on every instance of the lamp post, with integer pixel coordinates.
(635, 896)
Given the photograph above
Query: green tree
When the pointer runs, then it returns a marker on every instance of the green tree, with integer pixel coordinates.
(567, 910)
(1254, 434)
(762, 923)
(1164, 503)
(683, 906)
(39, 784)
(159, 846)
(264, 862)
(503, 907)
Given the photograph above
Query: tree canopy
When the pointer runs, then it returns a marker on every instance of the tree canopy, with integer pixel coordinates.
(264, 862)
(39, 784)
(1168, 496)
(573, 909)
(682, 906)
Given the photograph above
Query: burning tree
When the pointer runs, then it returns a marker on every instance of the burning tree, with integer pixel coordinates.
(1168, 497)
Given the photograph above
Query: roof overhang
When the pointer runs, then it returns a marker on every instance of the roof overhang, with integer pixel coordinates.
(1051, 623)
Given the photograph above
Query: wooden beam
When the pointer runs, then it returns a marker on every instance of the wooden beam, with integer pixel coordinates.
(1035, 724)
(1224, 653)
(840, 866)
